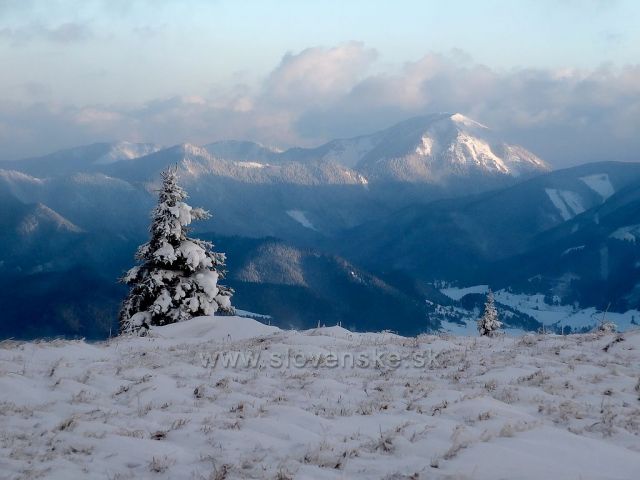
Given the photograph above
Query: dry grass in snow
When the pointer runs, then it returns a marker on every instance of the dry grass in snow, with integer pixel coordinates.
(519, 408)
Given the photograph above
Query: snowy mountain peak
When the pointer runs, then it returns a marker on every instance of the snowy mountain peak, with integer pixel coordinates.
(84, 158)
(191, 150)
(126, 151)
(41, 217)
(466, 121)
(440, 147)
(243, 151)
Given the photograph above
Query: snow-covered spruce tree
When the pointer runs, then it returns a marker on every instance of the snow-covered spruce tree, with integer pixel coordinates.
(489, 324)
(177, 276)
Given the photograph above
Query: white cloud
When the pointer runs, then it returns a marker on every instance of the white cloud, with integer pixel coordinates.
(317, 75)
(566, 116)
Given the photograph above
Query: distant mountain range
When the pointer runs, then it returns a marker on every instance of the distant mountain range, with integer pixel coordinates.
(433, 149)
(381, 217)
(256, 191)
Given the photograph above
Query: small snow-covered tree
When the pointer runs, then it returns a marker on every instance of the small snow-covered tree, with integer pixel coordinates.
(489, 324)
(177, 276)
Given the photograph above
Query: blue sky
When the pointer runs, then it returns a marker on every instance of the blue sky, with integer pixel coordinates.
(297, 72)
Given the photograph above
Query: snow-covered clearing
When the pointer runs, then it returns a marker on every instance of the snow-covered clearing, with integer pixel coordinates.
(300, 217)
(569, 204)
(627, 234)
(537, 406)
(456, 293)
(600, 184)
(572, 250)
(566, 315)
(251, 164)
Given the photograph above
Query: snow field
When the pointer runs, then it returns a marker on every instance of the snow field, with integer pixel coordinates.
(300, 217)
(599, 183)
(537, 406)
(569, 204)
(536, 306)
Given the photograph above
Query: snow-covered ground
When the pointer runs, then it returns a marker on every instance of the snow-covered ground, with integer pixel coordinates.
(456, 293)
(628, 233)
(567, 316)
(600, 184)
(569, 204)
(537, 406)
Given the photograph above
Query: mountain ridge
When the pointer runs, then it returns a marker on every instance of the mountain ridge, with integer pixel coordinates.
(430, 149)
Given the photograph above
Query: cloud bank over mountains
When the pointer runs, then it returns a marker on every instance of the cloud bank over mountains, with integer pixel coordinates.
(566, 116)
